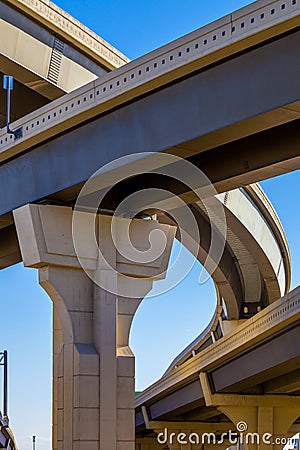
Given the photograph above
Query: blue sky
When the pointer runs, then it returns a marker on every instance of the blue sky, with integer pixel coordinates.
(164, 325)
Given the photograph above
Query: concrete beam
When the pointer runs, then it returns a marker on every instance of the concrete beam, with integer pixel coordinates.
(167, 130)
(261, 364)
(51, 17)
(214, 399)
(286, 384)
(202, 427)
(48, 70)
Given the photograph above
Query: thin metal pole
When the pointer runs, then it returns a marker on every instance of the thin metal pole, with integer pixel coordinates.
(5, 384)
(33, 442)
(8, 85)
(7, 108)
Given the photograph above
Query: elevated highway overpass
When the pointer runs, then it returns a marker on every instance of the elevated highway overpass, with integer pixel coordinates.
(260, 356)
(249, 58)
(225, 98)
(64, 54)
(254, 367)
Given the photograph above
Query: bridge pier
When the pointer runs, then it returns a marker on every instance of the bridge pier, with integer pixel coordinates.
(267, 425)
(93, 365)
(261, 420)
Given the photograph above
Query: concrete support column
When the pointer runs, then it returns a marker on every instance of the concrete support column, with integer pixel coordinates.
(265, 424)
(259, 419)
(76, 366)
(95, 293)
(57, 345)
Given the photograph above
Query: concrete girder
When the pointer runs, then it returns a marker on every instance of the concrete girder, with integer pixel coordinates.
(288, 384)
(50, 16)
(259, 241)
(190, 114)
(47, 63)
(41, 65)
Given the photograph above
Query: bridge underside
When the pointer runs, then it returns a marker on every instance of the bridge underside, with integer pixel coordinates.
(254, 110)
(238, 121)
(55, 65)
(24, 101)
(259, 371)
(44, 60)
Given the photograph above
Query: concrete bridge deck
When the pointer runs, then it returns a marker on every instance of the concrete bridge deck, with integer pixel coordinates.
(64, 54)
(239, 48)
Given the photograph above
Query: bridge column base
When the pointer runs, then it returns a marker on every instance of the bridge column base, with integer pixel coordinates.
(94, 303)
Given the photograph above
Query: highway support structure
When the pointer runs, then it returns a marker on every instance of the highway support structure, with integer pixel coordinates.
(267, 421)
(93, 365)
(269, 415)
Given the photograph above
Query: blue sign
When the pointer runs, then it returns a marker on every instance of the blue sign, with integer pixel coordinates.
(8, 82)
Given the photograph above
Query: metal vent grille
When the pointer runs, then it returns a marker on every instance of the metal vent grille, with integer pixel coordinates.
(55, 61)
(226, 198)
